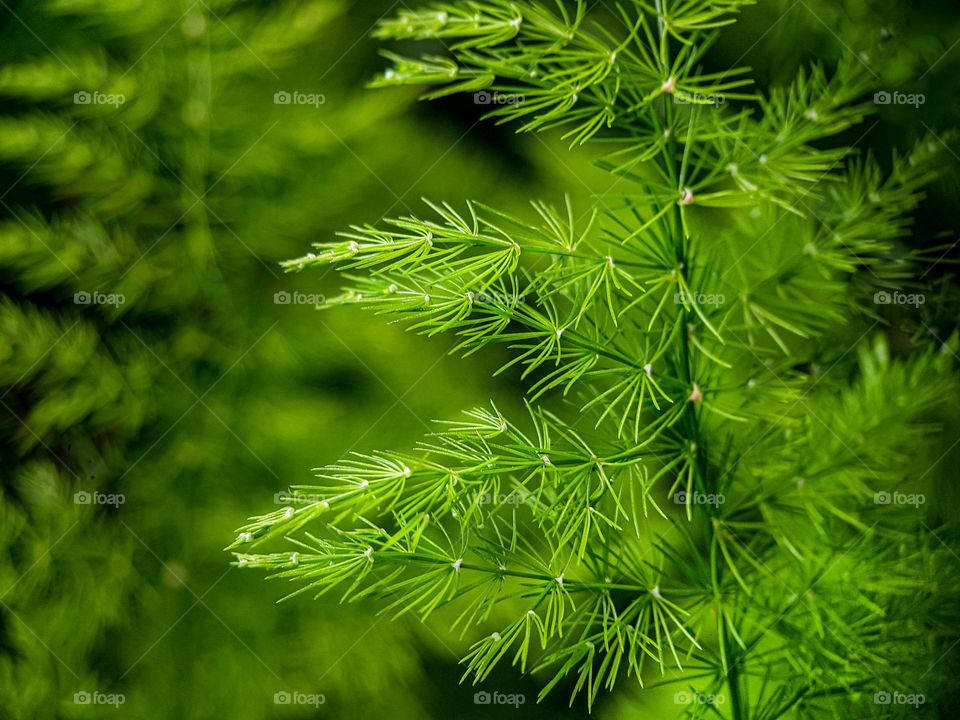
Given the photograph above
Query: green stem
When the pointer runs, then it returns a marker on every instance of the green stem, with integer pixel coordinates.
(738, 709)
(570, 584)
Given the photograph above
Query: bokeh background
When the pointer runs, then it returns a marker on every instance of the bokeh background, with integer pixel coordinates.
(203, 393)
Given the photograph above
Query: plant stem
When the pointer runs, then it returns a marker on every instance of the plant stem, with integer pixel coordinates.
(573, 584)
(738, 710)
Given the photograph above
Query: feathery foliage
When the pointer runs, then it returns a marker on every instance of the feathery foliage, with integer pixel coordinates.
(168, 204)
(713, 409)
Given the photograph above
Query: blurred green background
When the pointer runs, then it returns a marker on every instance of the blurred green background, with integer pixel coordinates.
(203, 393)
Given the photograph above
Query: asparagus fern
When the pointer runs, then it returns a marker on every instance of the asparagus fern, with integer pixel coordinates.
(691, 497)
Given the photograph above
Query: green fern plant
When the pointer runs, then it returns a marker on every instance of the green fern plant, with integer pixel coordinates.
(692, 496)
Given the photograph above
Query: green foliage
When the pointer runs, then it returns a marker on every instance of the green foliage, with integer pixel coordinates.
(712, 408)
(181, 200)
